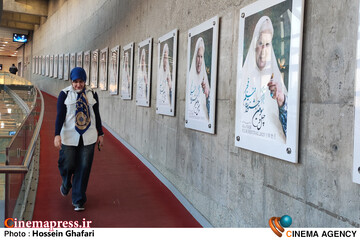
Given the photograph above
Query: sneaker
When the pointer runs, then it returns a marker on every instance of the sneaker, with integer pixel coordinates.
(63, 191)
(78, 207)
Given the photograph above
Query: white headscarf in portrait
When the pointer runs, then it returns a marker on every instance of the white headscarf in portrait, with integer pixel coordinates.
(259, 110)
(142, 77)
(113, 72)
(125, 84)
(197, 108)
(164, 78)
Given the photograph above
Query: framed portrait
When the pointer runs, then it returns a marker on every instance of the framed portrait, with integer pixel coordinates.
(51, 72)
(56, 65)
(201, 76)
(86, 66)
(72, 61)
(356, 161)
(143, 84)
(94, 68)
(61, 66)
(47, 64)
(38, 70)
(34, 64)
(79, 59)
(166, 80)
(127, 71)
(103, 69)
(43, 65)
(66, 66)
(268, 78)
(114, 61)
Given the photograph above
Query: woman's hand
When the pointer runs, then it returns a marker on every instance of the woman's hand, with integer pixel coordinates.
(101, 141)
(57, 142)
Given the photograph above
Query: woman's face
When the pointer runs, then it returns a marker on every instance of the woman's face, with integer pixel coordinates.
(199, 59)
(263, 48)
(78, 84)
(165, 59)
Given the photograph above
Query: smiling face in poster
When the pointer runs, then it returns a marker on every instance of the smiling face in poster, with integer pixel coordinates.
(263, 89)
(125, 85)
(142, 93)
(164, 79)
(199, 88)
(268, 78)
(113, 71)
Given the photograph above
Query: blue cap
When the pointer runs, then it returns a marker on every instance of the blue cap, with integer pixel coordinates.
(78, 73)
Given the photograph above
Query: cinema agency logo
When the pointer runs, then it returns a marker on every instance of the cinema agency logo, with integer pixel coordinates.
(278, 225)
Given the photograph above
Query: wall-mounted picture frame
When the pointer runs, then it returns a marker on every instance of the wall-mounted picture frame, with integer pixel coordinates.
(37, 65)
(66, 66)
(166, 80)
(201, 78)
(356, 153)
(79, 59)
(94, 68)
(72, 61)
(56, 65)
(61, 66)
(47, 64)
(143, 84)
(127, 66)
(103, 69)
(43, 65)
(268, 78)
(51, 72)
(114, 62)
(86, 66)
(34, 64)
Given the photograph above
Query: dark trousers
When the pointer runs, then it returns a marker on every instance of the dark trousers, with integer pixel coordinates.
(75, 162)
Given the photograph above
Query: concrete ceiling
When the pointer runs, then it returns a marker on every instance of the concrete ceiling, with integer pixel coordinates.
(19, 16)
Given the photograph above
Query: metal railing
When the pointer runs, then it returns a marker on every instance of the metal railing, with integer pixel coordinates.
(23, 148)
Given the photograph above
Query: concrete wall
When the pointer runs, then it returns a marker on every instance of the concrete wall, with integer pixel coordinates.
(230, 186)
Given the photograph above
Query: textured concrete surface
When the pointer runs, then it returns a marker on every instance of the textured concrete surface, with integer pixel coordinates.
(231, 187)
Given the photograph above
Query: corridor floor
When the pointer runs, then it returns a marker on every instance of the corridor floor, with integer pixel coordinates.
(122, 192)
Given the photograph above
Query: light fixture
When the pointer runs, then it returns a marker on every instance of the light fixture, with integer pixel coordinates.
(9, 110)
(2, 124)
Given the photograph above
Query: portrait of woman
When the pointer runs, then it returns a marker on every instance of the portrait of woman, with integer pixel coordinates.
(114, 71)
(86, 64)
(94, 68)
(143, 73)
(103, 69)
(199, 88)
(66, 66)
(164, 79)
(61, 66)
(264, 107)
(268, 78)
(79, 59)
(201, 76)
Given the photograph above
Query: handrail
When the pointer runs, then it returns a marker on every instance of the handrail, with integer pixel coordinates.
(28, 156)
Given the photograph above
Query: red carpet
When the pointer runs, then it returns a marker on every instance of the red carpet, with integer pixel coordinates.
(122, 192)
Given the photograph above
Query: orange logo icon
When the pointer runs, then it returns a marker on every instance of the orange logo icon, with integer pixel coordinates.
(280, 223)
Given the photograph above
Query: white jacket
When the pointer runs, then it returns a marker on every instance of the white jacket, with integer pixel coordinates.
(69, 136)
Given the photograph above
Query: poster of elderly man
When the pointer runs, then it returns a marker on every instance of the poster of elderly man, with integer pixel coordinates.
(268, 79)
